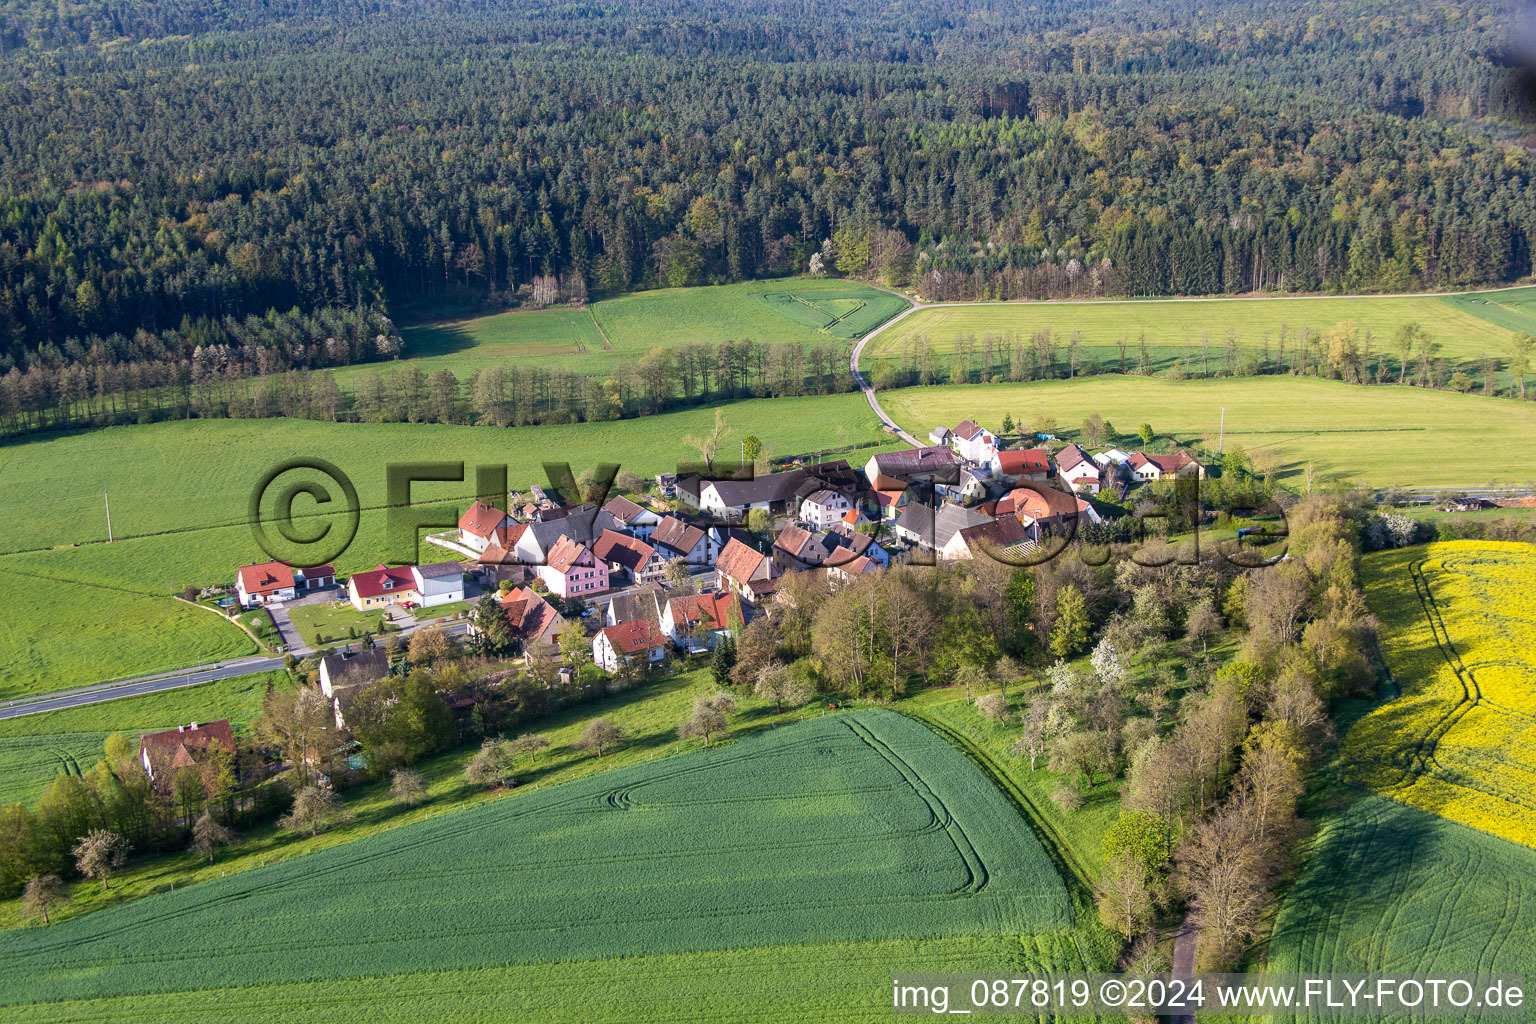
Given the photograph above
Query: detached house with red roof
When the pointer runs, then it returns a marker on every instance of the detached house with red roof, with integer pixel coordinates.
(616, 646)
(1078, 470)
(163, 754)
(482, 525)
(264, 584)
(1145, 468)
(629, 556)
(1032, 464)
(745, 570)
(572, 570)
(698, 622)
(382, 587)
(974, 442)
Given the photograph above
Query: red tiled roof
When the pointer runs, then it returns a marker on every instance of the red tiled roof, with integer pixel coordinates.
(565, 554)
(1039, 502)
(634, 637)
(716, 609)
(379, 581)
(1073, 454)
(1167, 463)
(630, 552)
(481, 520)
(316, 572)
(527, 612)
(623, 509)
(178, 748)
(266, 578)
(967, 429)
(1022, 461)
(677, 535)
(739, 561)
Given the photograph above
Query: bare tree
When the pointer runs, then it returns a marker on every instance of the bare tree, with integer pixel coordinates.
(599, 735)
(778, 684)
(707, 445)
(492, 764)
(709, 716)
(407, 788)
(993, 707)
(1219, 873)
(530, 743)
(1203, 623)
(40, 893)
(208, 835)
(1033, 741)
(99, 853)
(314, 811)
(1126, 899)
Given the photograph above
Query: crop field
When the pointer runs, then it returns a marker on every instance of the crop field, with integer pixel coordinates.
(1468, 327)
(1458, 628)
(1391, 889)
(850, 311)
(35, 748)
(1375, 435)
(849, 828)
(180, 493)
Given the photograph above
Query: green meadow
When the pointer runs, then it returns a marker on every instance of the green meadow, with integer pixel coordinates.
(626, 327)
(1468, 327)
(35, 748)
(854, 845)
(80, 611)
(1377, 435)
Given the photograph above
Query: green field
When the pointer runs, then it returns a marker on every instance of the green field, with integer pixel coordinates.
(1468, 327)
(35, 748)
(1375, 435)
(79, 612)
(1389, 889)
(625, 327)
(863, 826)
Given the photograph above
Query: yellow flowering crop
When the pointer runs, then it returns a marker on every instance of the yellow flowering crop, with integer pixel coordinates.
(1458, 631)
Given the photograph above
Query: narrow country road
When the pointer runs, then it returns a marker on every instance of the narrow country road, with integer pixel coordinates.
(140, 685)
(1186, 942)
(864, 384)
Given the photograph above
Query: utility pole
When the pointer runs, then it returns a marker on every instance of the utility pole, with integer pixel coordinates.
(108, 503)
(1221, 436)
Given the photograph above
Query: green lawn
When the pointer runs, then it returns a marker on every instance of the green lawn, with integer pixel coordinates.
(332, 620)
(35, 748)
(79, 612)
(1468, 327)
(847, 828)
(1376, 435)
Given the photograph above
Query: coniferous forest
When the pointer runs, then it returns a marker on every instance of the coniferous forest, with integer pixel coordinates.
(254, 187)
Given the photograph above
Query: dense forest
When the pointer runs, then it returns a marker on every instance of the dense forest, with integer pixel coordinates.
(268, 182)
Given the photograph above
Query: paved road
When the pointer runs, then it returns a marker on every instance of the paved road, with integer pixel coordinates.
(866, 387)
(155, 684)
(1186, 943)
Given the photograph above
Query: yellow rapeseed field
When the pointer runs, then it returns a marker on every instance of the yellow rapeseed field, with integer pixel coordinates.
(1458, 631)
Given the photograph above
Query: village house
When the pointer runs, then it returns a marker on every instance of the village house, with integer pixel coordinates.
(796, 548)
(744, 570)
(343, 675)
(912, 464)
(438, 583)
(482, 525)
(534, 621)
(733, 499)
(1044, 507)
(640, 603)
(571, 570)
(974, 442)
(1145, 468)
(269, 583)
(584, 524)
(1031, 464)
(967, 487)
(699, 622)
(629, 557)
(674, 538)
(383, 587)
(163, 754)
(825, 507)
(844, 544)
(846, 572)
(889, 496)
(931, 529)
(619, 645)
(941, 435)
(1078, 471)
(1006, 538)
(633, 517)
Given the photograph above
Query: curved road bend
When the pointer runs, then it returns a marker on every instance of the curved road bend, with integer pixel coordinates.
(138, 687)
